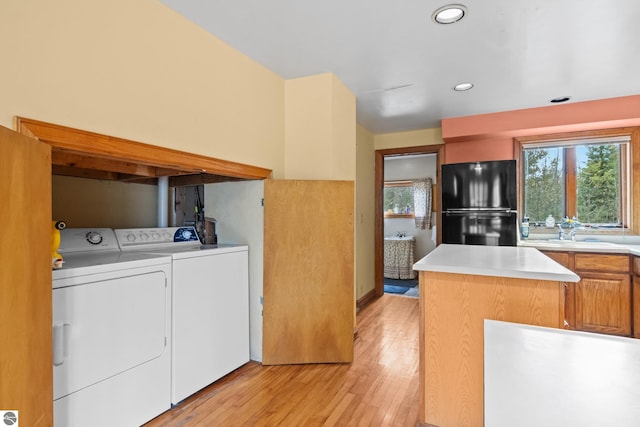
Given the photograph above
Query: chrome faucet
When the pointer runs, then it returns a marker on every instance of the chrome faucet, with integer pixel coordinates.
(561, 232)
(572, 234)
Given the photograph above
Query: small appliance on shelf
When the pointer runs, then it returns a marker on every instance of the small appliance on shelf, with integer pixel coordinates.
(550, 222)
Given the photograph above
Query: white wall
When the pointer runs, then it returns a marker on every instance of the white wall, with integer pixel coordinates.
(411, 168)
(237, 208)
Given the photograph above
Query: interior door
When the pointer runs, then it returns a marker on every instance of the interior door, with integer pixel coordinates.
(308, 272)
(26, 372)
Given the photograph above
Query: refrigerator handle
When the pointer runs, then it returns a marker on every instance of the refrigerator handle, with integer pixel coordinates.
(483, 210)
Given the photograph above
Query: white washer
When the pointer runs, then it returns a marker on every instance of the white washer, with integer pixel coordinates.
(111, 333)
(210, 304)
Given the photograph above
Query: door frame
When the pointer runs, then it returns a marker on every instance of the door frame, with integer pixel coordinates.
(379, 214)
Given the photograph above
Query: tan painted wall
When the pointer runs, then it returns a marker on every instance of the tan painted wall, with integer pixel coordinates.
(415, 138)
(140, 71)
(319, 129)
(365, 212)
(308, 127)
(320, 135)
(343, 128)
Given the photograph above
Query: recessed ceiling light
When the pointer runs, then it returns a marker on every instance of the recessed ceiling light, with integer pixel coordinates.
(461, 87)
(449, 14)
(560, 99)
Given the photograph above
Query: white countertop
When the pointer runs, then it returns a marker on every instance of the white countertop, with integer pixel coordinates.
(536, 376)
(581, 246)
(501, 261)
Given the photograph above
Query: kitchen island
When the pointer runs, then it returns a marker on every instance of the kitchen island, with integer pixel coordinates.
(549, 377)
(460, 286)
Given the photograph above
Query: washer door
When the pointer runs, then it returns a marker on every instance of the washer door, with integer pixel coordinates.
(105, 327)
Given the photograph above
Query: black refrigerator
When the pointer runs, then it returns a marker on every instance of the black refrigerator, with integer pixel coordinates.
(479, 205)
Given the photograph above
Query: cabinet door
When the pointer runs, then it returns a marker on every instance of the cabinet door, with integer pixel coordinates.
(603, 303)
(636, 301)
(636, 306)
(636, 296)
(26, 374)
(308, 272)
(566, 260)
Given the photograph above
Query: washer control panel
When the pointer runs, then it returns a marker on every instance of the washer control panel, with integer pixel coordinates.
(129, 238)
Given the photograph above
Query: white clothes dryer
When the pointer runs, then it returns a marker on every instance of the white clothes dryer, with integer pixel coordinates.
(210, 304)
(111, 332)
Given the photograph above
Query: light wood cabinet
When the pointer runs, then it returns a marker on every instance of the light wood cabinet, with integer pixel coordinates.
(603, 303)
(636, 297)
(602, 300)
(610, 263)
(603, 295)
(452, 309)
(566, 260)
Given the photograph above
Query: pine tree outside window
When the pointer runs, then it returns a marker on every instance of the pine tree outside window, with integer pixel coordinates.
(398, 199)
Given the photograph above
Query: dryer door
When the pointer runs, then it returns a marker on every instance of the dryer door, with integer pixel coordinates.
(105, 326)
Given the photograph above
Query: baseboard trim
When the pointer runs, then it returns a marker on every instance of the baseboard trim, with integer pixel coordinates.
(365, 299)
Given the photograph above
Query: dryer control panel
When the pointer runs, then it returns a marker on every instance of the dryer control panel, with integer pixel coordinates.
(87, 240)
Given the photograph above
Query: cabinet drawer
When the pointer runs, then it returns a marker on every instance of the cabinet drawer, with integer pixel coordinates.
(602, 262)
(561, 258)
(636, 265)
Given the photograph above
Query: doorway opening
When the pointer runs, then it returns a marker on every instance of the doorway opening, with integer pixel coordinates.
(394, 226)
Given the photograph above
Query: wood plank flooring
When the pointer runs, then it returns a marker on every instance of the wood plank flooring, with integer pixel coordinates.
(380, 388)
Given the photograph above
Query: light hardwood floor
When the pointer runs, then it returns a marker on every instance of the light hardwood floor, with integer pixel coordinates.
(380, 388)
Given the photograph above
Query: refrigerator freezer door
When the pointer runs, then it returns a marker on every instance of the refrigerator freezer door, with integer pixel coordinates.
(480, 228)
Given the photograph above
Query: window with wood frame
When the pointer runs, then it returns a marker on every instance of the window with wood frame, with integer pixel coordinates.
(398, 199)
(583, 179)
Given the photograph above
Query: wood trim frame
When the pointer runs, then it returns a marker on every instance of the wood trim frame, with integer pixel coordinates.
(403, 183)
(88, 154)
(379, 214)
(434, 191)
(633, 218)
(571, 181)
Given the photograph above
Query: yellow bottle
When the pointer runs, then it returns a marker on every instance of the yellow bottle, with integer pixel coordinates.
(56, 258)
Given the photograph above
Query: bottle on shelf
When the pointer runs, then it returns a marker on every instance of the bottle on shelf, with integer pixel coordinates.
(524, 227)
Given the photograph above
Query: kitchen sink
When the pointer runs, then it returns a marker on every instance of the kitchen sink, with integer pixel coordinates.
(571, 245)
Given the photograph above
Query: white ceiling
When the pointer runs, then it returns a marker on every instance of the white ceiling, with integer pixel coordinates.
(402, 66)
